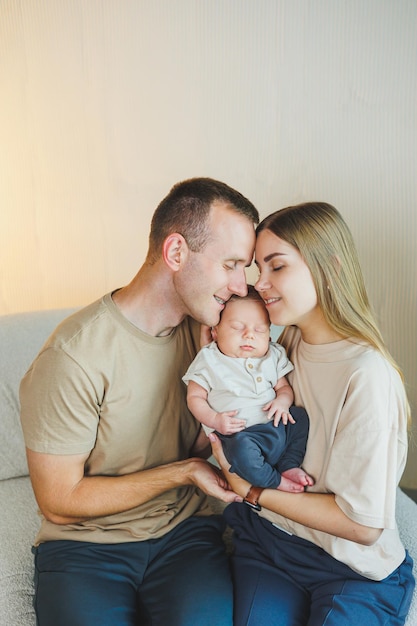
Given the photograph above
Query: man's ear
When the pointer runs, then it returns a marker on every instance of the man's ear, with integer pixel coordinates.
(174, 251)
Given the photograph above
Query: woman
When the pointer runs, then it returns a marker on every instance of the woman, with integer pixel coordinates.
(330, 555)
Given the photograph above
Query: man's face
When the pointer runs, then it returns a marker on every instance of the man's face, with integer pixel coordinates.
(209, 278)
(243, 330)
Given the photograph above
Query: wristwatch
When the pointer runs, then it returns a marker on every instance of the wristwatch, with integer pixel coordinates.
(252, 497)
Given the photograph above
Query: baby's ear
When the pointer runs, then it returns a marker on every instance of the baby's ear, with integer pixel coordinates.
(205, 335)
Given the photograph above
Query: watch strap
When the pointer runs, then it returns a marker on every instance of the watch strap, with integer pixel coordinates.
(252, 497)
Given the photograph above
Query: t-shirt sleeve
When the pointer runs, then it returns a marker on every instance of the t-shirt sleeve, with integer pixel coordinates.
(368, 454)
(200, 370)
(60, 406)
(283, 364)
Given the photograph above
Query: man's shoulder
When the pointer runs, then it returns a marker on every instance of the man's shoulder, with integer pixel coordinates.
(77, 323)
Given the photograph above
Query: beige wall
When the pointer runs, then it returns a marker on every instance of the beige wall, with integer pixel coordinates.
(104, 104)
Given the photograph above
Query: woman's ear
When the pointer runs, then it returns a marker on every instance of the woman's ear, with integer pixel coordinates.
(174, 251)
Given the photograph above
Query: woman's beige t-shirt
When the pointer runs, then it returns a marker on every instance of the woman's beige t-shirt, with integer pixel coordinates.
(357, 445)
(101, 386)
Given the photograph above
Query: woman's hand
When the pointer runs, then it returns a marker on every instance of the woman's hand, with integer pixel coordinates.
(315, 510)
(237, 484)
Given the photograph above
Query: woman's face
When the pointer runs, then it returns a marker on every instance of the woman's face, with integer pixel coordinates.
(285, 283)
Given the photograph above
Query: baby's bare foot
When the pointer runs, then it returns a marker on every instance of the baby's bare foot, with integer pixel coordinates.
(289, 485)
(299, 476)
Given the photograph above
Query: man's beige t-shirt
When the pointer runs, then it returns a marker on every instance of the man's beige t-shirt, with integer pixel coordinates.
(357, 445)
(101, 386)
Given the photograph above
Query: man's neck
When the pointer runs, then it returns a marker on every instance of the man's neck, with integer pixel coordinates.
(149, 302)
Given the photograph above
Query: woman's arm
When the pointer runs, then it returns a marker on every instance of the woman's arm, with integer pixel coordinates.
(318, 511)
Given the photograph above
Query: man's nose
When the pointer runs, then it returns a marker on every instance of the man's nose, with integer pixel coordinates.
(238, 285)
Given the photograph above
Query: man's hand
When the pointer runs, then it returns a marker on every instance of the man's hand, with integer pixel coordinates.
(210, 480)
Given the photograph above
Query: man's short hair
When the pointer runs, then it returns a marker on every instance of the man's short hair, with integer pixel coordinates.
(186, 209)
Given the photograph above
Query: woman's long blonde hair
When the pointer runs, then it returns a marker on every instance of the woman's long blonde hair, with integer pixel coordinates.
(322, 237)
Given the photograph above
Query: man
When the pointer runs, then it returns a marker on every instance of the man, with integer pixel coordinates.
(114, 454)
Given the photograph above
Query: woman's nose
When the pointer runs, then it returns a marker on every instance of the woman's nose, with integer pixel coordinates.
(261, 283)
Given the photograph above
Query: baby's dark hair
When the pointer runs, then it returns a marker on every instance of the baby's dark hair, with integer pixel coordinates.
(251, 295)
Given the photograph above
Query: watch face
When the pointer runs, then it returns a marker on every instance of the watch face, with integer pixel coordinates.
(252, 497)
(253, 505)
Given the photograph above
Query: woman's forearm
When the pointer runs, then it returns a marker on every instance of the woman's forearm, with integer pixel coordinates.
(318, 511)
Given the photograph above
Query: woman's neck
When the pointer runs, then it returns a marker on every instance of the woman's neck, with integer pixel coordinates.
(319, 338)
(318, 331)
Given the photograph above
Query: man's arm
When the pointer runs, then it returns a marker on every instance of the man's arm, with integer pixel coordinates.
(65, 495)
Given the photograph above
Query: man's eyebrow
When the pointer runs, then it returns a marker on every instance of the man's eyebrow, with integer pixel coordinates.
(239, 260)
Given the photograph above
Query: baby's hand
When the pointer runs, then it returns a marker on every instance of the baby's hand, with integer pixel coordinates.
(278, 412)
(227, 424)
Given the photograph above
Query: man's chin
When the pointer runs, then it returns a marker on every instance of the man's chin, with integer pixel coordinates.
(209, 316)
(212, 322)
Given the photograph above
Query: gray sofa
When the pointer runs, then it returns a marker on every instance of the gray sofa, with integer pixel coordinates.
(21, 336)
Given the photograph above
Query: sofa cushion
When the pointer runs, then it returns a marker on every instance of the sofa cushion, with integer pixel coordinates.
(19, 524)
(21, 337)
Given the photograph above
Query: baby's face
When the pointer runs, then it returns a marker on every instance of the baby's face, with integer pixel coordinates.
(243, 330)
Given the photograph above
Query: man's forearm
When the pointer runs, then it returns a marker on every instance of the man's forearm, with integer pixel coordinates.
(100, 496)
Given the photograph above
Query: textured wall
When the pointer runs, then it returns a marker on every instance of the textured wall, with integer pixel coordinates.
(105, 104)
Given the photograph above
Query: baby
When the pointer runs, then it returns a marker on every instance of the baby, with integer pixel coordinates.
(237, 386)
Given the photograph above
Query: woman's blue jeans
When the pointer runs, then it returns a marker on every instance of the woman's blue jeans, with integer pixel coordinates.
(282, 580)
(181, 579)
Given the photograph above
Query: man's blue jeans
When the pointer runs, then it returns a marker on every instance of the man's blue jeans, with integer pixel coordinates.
(181, 579)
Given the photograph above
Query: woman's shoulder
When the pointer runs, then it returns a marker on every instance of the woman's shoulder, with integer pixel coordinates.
(290, 338)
